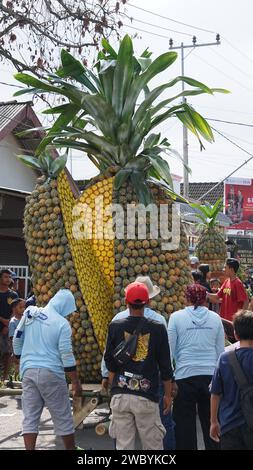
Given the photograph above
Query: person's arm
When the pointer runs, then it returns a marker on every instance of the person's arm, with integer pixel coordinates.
(215, 426)
(220, 340)
(67, 357)
(172, 335)
(75, 382)
(108, 356)
(214, 298)
(18, 341)
(167, 398)
(245, 304)
(4, 321)
(104, 373)
(241, 295)
(110, 379)
(166, 372)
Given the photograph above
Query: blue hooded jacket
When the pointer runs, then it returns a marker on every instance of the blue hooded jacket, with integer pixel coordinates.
(197, 339)
(43, 336)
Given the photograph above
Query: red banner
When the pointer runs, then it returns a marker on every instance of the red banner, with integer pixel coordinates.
(239, 202)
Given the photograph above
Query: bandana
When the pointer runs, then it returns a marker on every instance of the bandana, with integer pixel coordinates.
(196, 295)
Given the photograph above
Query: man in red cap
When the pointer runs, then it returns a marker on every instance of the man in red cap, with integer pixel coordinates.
(135, 382)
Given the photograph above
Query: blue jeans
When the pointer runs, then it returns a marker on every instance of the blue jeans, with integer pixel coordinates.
(169, 441)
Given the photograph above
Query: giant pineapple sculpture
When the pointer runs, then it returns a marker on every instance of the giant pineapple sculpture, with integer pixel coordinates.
(211, 248)
(66, 247)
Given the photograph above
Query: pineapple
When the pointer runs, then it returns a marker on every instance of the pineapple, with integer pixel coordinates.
(101, 117)
(211, 248)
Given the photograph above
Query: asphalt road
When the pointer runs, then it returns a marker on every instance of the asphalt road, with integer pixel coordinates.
(11, 439)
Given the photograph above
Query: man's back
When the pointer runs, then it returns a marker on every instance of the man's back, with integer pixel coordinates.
(140, 375)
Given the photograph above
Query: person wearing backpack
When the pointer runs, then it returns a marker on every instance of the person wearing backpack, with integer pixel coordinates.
(229, 424)
(134, 379)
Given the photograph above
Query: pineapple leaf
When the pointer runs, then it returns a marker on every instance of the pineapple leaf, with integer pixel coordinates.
(30, 161)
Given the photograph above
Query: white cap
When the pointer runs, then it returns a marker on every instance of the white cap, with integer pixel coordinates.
(194, 260)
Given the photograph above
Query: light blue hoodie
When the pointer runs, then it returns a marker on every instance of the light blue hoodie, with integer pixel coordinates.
(43, 335)
(148, 313)
(196, 340)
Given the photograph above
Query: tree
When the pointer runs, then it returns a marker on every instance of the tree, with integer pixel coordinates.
(31, 31)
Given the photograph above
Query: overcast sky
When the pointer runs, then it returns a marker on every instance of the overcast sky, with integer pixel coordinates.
(229, 65)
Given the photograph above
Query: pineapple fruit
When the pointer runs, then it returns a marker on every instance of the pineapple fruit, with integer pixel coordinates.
(102, 117)
(211, 248)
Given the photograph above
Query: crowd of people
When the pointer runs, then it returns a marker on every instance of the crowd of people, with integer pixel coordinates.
(159, 376)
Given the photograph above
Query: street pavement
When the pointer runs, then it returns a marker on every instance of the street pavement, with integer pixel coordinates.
(10, 430)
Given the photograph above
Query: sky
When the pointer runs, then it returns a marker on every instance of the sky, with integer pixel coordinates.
(229, 65)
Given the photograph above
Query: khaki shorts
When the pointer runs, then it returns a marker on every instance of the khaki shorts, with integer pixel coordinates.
(131, 414)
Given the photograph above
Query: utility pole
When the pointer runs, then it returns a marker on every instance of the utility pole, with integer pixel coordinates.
(185, 132)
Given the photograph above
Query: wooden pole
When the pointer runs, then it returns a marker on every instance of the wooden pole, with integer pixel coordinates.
(102, 428)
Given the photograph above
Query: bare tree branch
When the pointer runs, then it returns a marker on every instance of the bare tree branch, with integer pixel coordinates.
(32, 32)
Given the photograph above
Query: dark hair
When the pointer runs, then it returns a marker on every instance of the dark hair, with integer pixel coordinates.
(197, 276)
(137, 306)
(204, 269)
(15, 302)
(233, 263)
(243, 324)
(5, 271)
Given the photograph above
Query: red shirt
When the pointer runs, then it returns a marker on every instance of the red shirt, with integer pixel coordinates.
(233, 295)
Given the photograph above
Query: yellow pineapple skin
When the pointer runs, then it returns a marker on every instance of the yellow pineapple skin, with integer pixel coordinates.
(93, 257)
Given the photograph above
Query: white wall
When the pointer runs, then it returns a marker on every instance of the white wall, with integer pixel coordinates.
(13, 173)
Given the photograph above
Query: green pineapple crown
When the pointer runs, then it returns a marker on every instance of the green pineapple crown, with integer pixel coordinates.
(45, 163)
(110, 113)
(208, 213)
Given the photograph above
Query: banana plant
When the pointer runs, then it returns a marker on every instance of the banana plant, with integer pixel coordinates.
(208, 214)
(110, 113)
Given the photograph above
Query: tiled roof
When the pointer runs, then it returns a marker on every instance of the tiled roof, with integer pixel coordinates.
(16, 117)
(196, 190)
(9, 111)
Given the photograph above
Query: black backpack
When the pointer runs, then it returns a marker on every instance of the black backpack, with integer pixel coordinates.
(246, 389)
(126, 350)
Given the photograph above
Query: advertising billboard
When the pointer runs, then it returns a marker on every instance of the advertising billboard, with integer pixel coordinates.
(239, 202)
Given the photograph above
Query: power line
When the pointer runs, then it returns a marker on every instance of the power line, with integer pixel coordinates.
(234, 171)
(238, 50)
(223, 73)
(10, 84)
(156, 26)
(145, 31)
(171, 19)
(233, 65)
(230, 122)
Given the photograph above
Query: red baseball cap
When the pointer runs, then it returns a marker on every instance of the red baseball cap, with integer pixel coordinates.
(137, 293)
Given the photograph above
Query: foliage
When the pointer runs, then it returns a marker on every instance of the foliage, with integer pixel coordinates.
(45, 163)
(208, 213)
(110, 113)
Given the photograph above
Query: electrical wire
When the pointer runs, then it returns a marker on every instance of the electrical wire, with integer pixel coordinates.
(231, 63)
(234, 171)
(145, 31)
(156, 26)
(10, 84)
(171, 19)
(223, 73)
(230, 122)
(237, 49)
